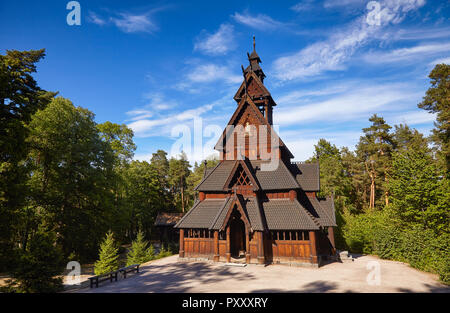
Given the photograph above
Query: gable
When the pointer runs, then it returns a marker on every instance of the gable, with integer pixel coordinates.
(241, 177)
(255, 88)
(247, 111)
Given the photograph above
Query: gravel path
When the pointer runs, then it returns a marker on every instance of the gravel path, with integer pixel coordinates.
(169, 275)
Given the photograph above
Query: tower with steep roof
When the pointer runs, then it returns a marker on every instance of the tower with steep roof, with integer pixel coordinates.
(253, 208)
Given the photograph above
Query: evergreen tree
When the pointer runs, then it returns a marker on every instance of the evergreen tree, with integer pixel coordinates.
(406, 138)
(108, 256)
(196, 177)
(437, 100)
(139, 253)
(333, 180)
(160, 163)
(374, 149)
(20, 98)
(178, 174)
(419, 194)
(39, 265)
(144, 197)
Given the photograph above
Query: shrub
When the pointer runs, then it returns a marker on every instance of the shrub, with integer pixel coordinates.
(108, 256)
(139, 253)
(381, 233)
(37, 267)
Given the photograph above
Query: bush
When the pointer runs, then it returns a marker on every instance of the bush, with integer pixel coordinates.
(382, 234)
(139, 253)
(108, 256)
(37, 268)
(163, 252)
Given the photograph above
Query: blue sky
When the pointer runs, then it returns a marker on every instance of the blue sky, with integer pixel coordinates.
(158, 66)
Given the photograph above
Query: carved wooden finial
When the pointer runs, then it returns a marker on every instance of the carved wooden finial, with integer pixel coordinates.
(254, 44)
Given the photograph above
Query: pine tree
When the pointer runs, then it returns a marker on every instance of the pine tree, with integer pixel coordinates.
(437, 100)
(375, 148)
(108, 256)
(419, 194)
(38, 267)
(139, 253)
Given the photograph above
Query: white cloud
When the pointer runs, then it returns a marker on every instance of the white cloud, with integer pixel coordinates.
(94, 18)
(440, 61)
(139, 114)
(260, 21)
(408, 54)
(331, 54)
(302, 6)
(133, 23)
(158, 102)
(342, 3)
(413, 118)
(205, 73)
(218, 43)
(420, 33)
(354, 103)
(144, 127)
(128, 22)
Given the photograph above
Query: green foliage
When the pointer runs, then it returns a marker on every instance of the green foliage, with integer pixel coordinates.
(178, 174)
(417, 189)
(381, 233)
(163, 252)
(437, 100)
(38, 266)
(120, 139)
(374, 151)
(72, 175)
(143, 196)
(108, 256)
(197, 175)
(139, 253)
(20, 97)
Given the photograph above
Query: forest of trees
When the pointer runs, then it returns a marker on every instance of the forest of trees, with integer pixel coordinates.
(392, 193)
(66, 181)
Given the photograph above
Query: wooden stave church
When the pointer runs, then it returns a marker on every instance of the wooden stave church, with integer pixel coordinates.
(248, 215)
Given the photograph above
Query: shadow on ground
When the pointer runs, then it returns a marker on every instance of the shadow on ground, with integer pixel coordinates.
(175, 277)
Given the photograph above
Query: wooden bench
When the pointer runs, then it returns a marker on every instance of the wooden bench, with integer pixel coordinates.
(128, 269)
(103, 277)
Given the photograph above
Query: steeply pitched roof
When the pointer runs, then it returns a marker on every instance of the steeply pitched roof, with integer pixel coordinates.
(323, 212)
(254, 213)
(211, 213)
(246, 101)
(216, 178)
(279, 178)
(328, 205)
(273, 214)
(202, 214)
(284, 214)
(307, 175)
(167, 219)
(250, 76)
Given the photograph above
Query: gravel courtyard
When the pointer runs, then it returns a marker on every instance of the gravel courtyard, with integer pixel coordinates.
(169, 275)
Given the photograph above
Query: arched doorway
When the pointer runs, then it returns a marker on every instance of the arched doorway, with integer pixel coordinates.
(237, 238)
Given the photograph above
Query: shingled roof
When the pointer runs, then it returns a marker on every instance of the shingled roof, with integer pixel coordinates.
(307, 175)
(322, 211)
(167, 219)
(202, 214)
(211, 213)
(284, 214)
(279, 178)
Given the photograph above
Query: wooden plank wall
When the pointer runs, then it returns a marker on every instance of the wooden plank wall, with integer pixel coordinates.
(288, 250)
(198, 247)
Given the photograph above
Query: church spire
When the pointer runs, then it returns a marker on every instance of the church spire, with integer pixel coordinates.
(254, 61)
